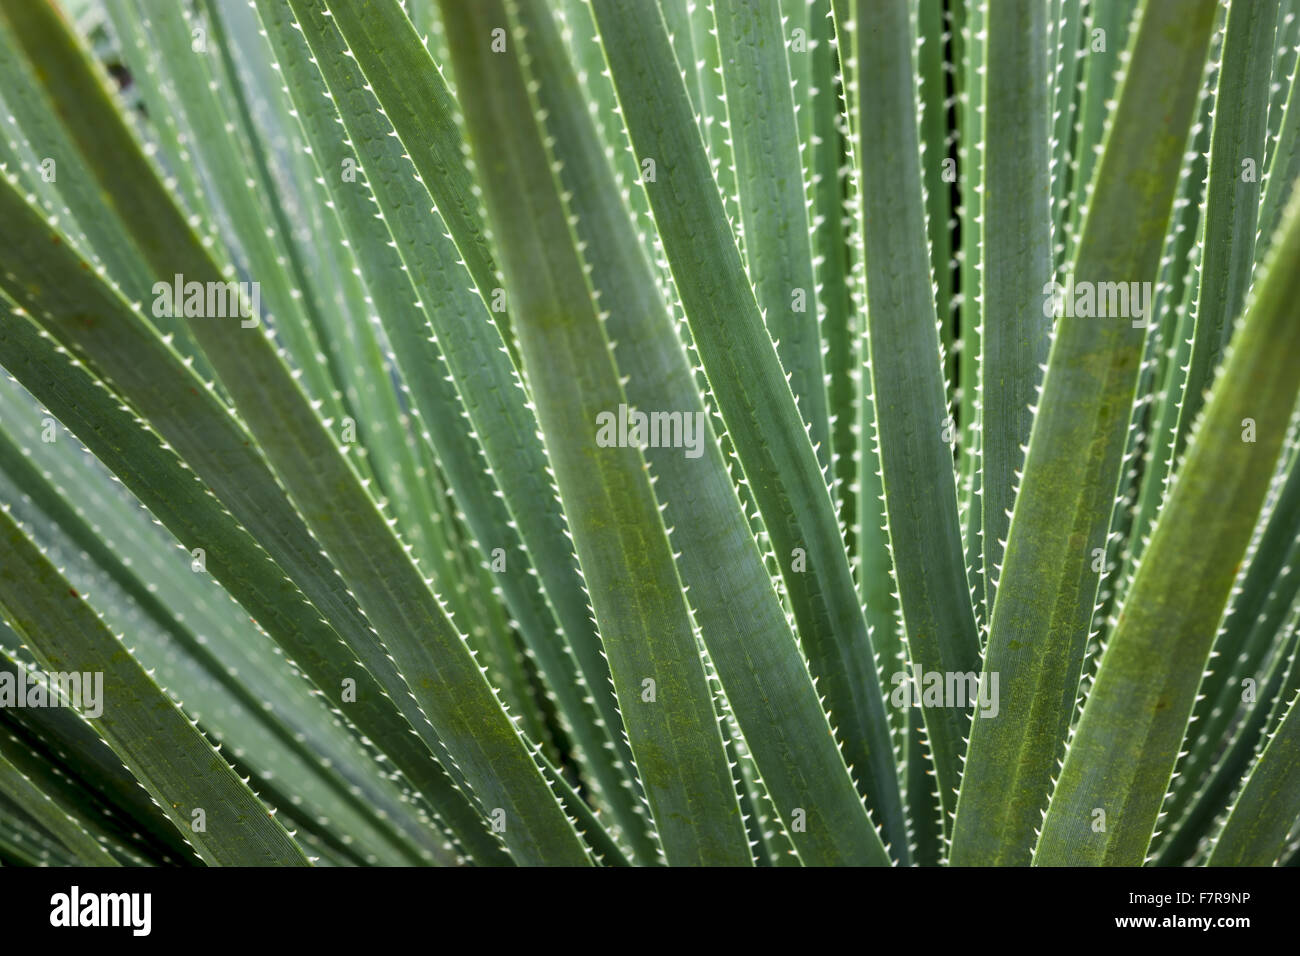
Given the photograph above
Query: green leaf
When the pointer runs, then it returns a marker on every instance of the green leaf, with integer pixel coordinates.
(1067, 63)
(1172, 343)
(645, 623)
(969, 80)
(165, 751)
(1016, 221)
(1233, 194)
(217, 662)
(1105, 36)
(63, 754)
(741, 621)
(1125, 747)
(1268, 806)
(1284, 165)
(54, 817)
(1255, 622)
(508, 499)
(229, 168)
(416, 99)
(167, 487)
(938, 169)
(773, 204)
(907, 384)
(1048, 587)
(1281, 680)
(437, 667)
(827, 169)
(757, 406)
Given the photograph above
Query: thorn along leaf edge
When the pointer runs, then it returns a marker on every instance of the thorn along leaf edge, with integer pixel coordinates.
(611, 432)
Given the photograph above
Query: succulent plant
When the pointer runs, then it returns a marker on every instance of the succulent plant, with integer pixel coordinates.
(567, 432)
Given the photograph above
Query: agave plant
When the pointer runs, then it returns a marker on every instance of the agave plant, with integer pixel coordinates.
(567, 432)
